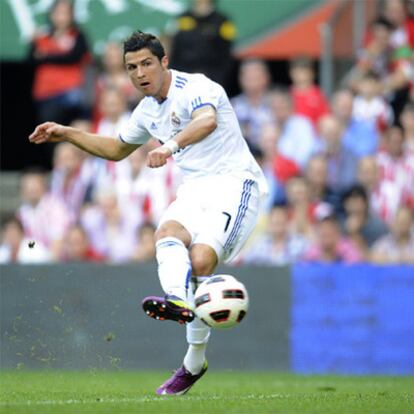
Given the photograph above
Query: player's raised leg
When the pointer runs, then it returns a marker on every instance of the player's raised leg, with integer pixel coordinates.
(174, 271)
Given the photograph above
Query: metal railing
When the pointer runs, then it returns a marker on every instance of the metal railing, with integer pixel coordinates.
(326, 69)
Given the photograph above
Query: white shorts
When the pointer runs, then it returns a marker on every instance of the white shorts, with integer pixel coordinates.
(220, 211)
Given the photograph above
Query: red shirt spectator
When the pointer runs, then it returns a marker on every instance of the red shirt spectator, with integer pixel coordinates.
(77, 247)
(60, 63)
(310, 102)
(59, 57)
(308, 99)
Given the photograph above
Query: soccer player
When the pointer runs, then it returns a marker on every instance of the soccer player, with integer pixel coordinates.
(217, 204)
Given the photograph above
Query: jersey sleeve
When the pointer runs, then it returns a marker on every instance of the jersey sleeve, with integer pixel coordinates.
(134, 132)
(202, 93)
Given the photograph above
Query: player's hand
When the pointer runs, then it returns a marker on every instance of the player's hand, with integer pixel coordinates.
(48, 132)
(158, 157)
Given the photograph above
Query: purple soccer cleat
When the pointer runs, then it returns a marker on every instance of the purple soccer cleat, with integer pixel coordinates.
(181, 381)
(168, 308)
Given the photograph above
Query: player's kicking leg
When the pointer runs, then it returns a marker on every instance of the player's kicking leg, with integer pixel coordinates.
(195, 364)
(173, 307)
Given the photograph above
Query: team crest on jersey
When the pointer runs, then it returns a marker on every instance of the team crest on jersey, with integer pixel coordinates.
(175, 120)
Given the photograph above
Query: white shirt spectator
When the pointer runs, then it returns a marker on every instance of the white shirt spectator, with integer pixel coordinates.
(46, 222)
(375, 110)
(106, 127)
(263, 251)
(146, 196)
(114, 240)
(26, 255)
(251, 118)
(297, 140)
(385, 200)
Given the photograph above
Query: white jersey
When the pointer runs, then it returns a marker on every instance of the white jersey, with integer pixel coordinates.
(224, 151)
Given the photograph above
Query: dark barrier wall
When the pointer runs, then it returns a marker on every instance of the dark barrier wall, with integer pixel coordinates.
(353, 319)
(89, 316)
(341, 319)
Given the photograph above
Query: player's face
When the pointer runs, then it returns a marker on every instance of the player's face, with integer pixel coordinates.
(148, 75)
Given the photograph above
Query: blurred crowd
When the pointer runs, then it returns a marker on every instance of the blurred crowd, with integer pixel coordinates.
(340, 170)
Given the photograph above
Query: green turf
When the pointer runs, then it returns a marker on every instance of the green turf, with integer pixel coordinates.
(218, 392)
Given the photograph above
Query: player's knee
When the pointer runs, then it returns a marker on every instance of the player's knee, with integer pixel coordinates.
(203, 261)
(161, 233)
(172, 229)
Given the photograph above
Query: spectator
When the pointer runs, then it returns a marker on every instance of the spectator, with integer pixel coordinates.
(341, 162)
(375, 55)
(252, 106)
(391, 64)
(398, 245)
(302, 211)
(15, 248)
(148, 190)
(110, 231)
(265, 154)
(145, 249)
(297, 140)
(359, 136)
(330, 245)
(60, 56)
(369, 105)
(402, 46)
(397, 165)
(69, 181)
(114, 110)
(361, 225)
(308, 99)
(114, 114)
(77, 247)
(114, 76)
(316, 175)
(45, 218)
(384, 197)
(277, 168)
(203, 42)
(278, 247)
(84, 124)
(407, 122)
(397, 13)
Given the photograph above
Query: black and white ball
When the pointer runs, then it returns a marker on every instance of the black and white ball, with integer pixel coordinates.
(221, 301)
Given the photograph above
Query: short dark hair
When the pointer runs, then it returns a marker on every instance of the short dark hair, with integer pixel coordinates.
(140, 40)
(371, 75)
(283, 91)
(303, 61)
(330, 218)
(53, 7)
(355, 190)
(383, 22)
(34, 170)
(409, 107)
(12, 219)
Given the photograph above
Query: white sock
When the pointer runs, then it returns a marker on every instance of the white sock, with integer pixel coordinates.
(198, 334)
(195, 357)
(174, 266)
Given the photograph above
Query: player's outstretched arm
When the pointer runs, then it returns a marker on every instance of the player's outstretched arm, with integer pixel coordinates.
(204, 122)
(104, 147)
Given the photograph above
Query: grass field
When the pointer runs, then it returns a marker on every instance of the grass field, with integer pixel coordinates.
(218, 392)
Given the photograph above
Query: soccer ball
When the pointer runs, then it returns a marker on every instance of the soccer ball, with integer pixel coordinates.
(221, 301)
